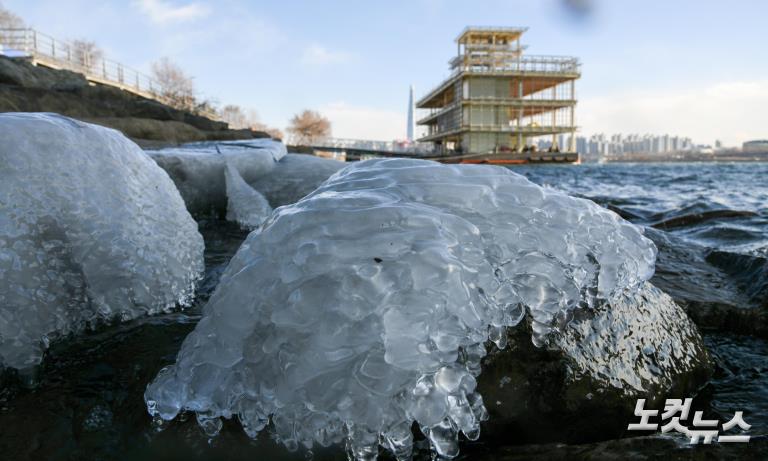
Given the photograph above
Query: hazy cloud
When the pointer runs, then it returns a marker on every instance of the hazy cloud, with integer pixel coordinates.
(732, 112)
(318, 55)
(163, 12)
(365, 122)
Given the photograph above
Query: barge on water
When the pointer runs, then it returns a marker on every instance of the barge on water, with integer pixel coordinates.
(498, 103)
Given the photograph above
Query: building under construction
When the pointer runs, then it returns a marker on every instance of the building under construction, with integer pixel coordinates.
(497, 100)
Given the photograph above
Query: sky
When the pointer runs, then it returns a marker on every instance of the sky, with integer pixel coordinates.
(693, 68)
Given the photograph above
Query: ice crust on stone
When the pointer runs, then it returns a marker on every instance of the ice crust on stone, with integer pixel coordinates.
(293, 177)
(198, 172)
(90, 229)
(198, 169)
(365, 306)
(245, 206)
(641, 340)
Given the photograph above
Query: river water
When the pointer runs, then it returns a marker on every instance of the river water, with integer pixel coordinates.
(710, 222)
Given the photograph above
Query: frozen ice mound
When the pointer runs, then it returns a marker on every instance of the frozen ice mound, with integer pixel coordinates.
(366, 305)
(245, 206)
(198, 169)
(293, 177)
(90, 229)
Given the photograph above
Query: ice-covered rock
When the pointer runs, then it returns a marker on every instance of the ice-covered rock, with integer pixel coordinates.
(198, 169)
(367, 305)
(293, 177)
(245, 206)
(639, 344)
(90, 229)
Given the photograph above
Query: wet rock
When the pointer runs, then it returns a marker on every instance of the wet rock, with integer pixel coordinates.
(719, 290)
(584, 385)
(99, 418)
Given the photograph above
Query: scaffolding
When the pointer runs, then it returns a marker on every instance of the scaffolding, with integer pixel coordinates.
(497, 99)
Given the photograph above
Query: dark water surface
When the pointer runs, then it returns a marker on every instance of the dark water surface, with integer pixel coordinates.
(710, 222)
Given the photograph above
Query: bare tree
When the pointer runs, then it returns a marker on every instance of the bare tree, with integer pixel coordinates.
(234, 116)
(273, 133)
(87, 54)
(239, 118)
(175, 85)
(309, 127)
(9, 20)
(206, 108)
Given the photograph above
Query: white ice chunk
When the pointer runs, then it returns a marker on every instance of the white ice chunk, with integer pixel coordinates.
(365, 306)
(244, 205)
(198, 169)
(91, 229)
(293, 177)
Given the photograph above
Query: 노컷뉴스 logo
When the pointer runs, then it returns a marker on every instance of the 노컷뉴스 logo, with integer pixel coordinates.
(702, 430)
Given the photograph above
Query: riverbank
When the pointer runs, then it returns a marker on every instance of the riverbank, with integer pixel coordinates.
(28, 88)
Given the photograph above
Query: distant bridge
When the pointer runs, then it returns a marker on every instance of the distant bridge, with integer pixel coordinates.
(360, 149)
(47, 51)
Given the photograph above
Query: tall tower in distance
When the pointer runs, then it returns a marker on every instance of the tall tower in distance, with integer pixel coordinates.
(409, 134)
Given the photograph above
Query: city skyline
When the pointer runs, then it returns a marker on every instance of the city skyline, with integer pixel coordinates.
(643, 71)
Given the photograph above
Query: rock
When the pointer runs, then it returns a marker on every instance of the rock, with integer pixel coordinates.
(295, 176)
(584, 386)
(198, 171)
(148, 129)
(718, 289)
(245, 206)
(21, 73)
(91, 231)
(366, 307)
(28, 88)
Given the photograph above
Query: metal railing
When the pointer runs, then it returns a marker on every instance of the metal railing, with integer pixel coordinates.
(43, 49)
(511, 30)
(526, 64)
(530, 64)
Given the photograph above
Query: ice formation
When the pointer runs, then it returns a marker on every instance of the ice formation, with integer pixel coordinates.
(245, 206)
(90, 229)
(651, 340)
(365, 306)
(293, 177)
(198, 169)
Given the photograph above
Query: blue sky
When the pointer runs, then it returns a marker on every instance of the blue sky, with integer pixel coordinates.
(692, 68)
